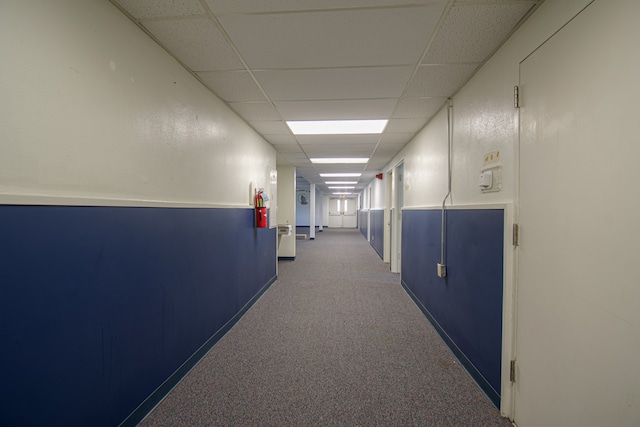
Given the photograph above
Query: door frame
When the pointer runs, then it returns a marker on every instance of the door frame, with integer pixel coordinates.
(397, 199)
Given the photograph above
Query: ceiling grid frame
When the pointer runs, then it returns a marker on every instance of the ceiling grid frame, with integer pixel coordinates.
(343, 74)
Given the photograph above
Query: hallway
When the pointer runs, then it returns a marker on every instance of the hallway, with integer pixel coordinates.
(334, 341)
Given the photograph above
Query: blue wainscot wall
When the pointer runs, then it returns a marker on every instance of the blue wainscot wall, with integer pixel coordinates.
(363, 222)
(466, 306)
(104, 309)
(377, 231)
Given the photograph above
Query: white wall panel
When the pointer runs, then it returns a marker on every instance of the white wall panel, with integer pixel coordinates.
(93, 108)
(287, 209)
(425, 164)
(485, 120)
(378, 194)
(319, 209)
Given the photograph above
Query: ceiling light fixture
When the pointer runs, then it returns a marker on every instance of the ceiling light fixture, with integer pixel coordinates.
(341, 175)
(329, 160)
(341, 192)
(336, 127)
(342, 188)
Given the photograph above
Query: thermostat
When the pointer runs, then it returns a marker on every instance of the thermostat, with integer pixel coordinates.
(486, 180)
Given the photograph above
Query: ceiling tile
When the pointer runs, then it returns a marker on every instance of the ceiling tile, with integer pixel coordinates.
(270, 127)
(395, 138)
(406, 125)
(315, 151)
(439, 80)
(409, 108)
(196, 42)
(472, 32)
(331, 59)
(145, 9)
(299, 158)
(339, 168)
(232, 85)
(284, 40)
(281, 139)
(378, 164)
(334, 84)
(245, 6)
(388, 150)
(281, 160)
(337, 139)
(333, 151)
(336, 110)
(339, 151)
(255, 110)
(288, 148)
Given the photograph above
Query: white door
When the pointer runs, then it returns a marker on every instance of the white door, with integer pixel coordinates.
(387, 219)
(578, 296)
(396, 219)
(343, 212)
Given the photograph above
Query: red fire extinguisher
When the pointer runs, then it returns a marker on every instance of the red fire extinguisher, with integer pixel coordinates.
(261, 211)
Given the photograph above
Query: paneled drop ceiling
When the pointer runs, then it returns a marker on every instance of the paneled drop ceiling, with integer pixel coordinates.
(278, 60)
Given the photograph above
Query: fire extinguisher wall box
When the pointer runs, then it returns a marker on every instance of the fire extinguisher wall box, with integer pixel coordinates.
(261, 211)
(261, 218)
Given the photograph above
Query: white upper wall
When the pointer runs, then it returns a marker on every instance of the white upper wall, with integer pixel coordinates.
(93, 108)
(286, 209)
(378, 194)
(425, 165)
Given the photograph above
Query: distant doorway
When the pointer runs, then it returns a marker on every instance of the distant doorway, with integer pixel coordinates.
(343, 212)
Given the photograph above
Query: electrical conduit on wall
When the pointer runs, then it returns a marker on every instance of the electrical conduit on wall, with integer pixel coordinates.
(442, 267)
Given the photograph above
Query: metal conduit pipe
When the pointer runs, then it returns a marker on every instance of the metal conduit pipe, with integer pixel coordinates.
(442, 268)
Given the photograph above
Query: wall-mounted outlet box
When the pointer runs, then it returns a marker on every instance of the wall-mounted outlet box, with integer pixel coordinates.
(490, 178)
(442, 270)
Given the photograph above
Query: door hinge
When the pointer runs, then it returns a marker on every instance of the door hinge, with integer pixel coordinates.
(512, 371)
(516, 235)
(516, 97)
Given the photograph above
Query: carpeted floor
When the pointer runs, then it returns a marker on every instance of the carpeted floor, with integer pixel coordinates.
(334, 342)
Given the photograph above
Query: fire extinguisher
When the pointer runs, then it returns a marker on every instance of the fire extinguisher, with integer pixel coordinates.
(261, 211)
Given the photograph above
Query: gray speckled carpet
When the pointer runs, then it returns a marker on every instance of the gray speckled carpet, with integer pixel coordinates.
(335, 341)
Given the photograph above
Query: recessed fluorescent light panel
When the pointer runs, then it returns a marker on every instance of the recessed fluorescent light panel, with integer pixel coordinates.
(341, 192)
(340, 182)
(342, 188)
(330, 160)
(341, 175)
(336, 127)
